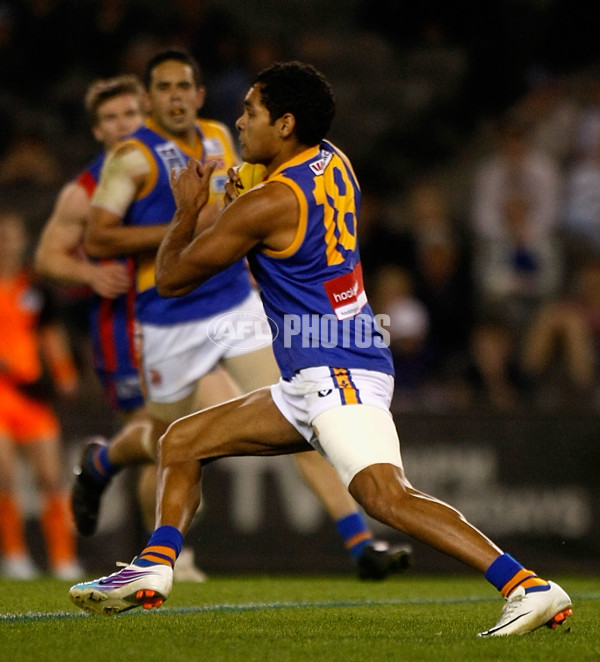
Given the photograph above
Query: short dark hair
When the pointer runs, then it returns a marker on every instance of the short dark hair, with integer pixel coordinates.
(104, 89)
(177, 55)
(299, 89)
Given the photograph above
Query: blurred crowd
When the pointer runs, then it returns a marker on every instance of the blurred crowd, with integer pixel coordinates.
(480, 223)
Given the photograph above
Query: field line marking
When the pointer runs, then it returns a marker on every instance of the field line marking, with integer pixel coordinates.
(256, 606)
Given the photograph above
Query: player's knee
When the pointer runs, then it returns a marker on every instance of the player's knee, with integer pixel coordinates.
(378, 488)
(172, 444)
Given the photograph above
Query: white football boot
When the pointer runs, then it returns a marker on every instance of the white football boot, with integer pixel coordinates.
(528, 609)
(133, 586)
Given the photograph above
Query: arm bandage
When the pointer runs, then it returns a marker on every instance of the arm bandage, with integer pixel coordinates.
(122, 174)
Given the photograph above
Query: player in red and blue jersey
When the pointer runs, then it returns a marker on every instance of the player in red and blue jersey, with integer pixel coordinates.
(299, 230)
(115, 109)
(112, 323)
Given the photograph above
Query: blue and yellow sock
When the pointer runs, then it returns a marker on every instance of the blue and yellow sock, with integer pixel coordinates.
(506, 575)
(100, 467)
(163, 547)
(355, 534)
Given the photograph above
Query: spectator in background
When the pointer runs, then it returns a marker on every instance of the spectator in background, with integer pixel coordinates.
(439, 257)
(514, 169)
(414, 357)
(551, 111)
(581, 213)
(561, 352)
(29, 161)
(381, 244)
(517, 262)
(514, 275)
(493, 374)
(31, 339)
(518, 270)
(30, 166)
(587, 124)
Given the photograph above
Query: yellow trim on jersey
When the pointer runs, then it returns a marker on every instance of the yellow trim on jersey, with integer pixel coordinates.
(306, 155)
(152, 177)
(303, 216)
(302, 221)
(145, 273)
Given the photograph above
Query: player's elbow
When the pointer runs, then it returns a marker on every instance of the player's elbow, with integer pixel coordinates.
(167, 285)
(177, 279)
(171, 290)
(168, 290)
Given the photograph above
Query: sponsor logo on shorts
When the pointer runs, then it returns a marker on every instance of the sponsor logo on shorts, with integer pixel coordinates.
(155, 377)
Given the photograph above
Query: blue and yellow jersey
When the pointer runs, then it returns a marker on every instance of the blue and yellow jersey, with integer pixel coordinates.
(155, 205)
(313, 291)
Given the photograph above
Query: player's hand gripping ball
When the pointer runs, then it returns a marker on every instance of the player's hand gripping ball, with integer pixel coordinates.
(249, 175)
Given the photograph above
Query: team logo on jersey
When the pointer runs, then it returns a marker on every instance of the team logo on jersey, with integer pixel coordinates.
(346, 293)
(318, 166)
(212, 147)
(171, 156)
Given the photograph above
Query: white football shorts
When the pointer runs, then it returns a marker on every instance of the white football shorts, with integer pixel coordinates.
(174, 358)
(344, 414)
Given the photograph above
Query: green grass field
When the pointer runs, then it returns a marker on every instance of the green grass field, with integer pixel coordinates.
(293, 618)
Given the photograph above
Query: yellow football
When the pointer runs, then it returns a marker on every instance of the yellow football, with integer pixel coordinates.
(249, 175)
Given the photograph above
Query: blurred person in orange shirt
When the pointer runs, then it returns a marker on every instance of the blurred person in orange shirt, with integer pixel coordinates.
(35, 358)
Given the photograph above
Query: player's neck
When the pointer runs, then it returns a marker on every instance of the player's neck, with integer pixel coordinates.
(287, 154)
(188, 137)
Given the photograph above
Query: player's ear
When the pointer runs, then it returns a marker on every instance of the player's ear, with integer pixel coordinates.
(287, 123)
(97, 133)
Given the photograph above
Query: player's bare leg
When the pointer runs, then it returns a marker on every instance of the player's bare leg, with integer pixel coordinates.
(214, 388)
(374, 559)
(100, 459)
(248, 425)
(386, 495)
